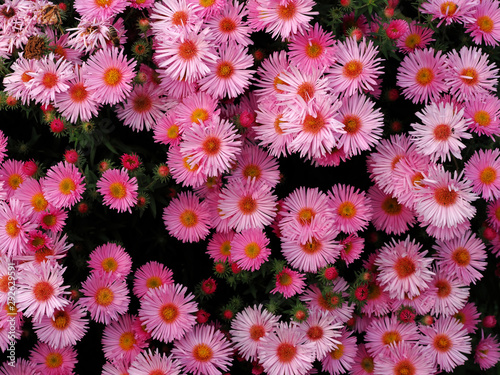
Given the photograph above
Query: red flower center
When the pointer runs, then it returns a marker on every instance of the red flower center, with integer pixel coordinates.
(286, 352)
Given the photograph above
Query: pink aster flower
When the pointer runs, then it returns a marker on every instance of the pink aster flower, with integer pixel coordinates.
(486, 23)
(421, 75)
(487, 352)
(460, 11)
(289, 283)
(249, 249)
(196, 108)
(119, 191)
(251, 205)
(449, 293)
(483, 113)
(41, 290)
(356, 67)
(66, 327)
(286, 351)
(51, 361)
(143, 106)
(219, 246)
(322, 330)
(340, 359)
(444, 200)
(269, 75)
(469, 317)
(111, 259)
(352, 209)
(256, 163)
(53, 219)
(50, 78)
(363, 362)
(100, 10)
(204, 351)
(105, 297)
(388, 214)
(18, 83)
(168, 312)
(404, 358)
(415, 37)
(312, 50)
(109, 74)
(167, 130)
(186, 218)
(483, 169)
(63, 185)
(469, 73)
(174, 16)
(3, 145)
(120, 341)
(12, 175)
(212, 146)
(352, 247)
(445, 342)
(228, 24)
(230, 75)
(16, 221)
(147, 362)
(493, 212)
(248, 327)
(21, 367)
(310, 256)
(182, 171)
(362, 124)
(150, 276)
(396, 28)
(186, 54)
(404, 271)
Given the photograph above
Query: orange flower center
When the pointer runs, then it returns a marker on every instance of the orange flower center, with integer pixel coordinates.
(469, 76)
(252, 170)
(25, 77)
(49, 220)
(445, 197)
(338, 352)
(61, 320)
(42, 254)
(404, 267)
(353, 69)
(257, 331)
(225, 248)
(247, 205)
(352, 124)
(226, 25)
(117, 190)
(4, 283)
(277, 81)
(442, 132)
(109, 264)
(312, 246)
(306, 215)
(127, 340)
(207, 3)
(306, 91)
(312, 124)
(211, 146)
(444, 288)
(202, 353)
(277, 127)
(188, 50)
(482, 118)
(390, 337)
(188, 166)
(15, 180)
(347, 210)
(78, 92)
(66, 186)
(252, 250)
(38, 202)
(315, 332)
(461, 256)
(286, 352)
(112, 76)
(391, 206)
(367, 364)
(54, 360)
(103, 3)
(173, 132)
(424, 76)
(287, 12)
(142, 103)
(412, 41)
(169, 313)
(225, 70)
(442, 343)
(488, 175)
(485, 24)
(314, 50)
(49, 80)
(104, 296)
(448, 8)
(199, 114)
(460, 316)
(284, 278)
(179, 18)
(12, 228)
(153, 282)
(404, 367)
(188, 218)
(43, 291)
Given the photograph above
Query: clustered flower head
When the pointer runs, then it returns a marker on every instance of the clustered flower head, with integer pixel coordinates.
(371, 277)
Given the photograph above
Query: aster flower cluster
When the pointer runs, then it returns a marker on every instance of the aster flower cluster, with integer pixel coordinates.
(257, 186)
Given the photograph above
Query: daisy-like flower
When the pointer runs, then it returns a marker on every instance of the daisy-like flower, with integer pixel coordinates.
(168, 312)
(493, 212)
(483, 169)
(51, 361)
(255, 163)
(228, 25)
(469, 73)
(212, 146)
(460, 11)
(18, 83)
(421, 75)
(219, 246)
(313, 50)
(41, 290)
(105, 297)
(150, 276)
(383, 333)
(352, 247)
(118, 189)
(289, 283)
(109, 75)
(248, 205)
(15, 222)
(487, 352)
(269, 75)
(204, 351)
(356, 67)
(196, 108)
(403, 269)
(450, 294)
(486, 24)
(285, 17)
(20, 367)
(363, 362)
(63, 185)
(396, 28)
(469, 317)
(416, 37)
(147, 363)
(320, 329)
(445, 342)
(143, 106)
(230, 75)
(248, 327)
(53, 219)
(101, 10)
(249, 249)
(352, 209)
(443, 126)
(313, 133)
(185, 55)
(112, 259)
(483, 113)
(173, 16)
(3, 145)
(167, 130)
(404, 359)
(286, 351)
(12, 175)
(50, 78)
(362, 124)
(444, 200)
(66, 327)
(310, 256)
(340, 359)
(183, 172)
(186, 218)
(388, 214)
(120, 341)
